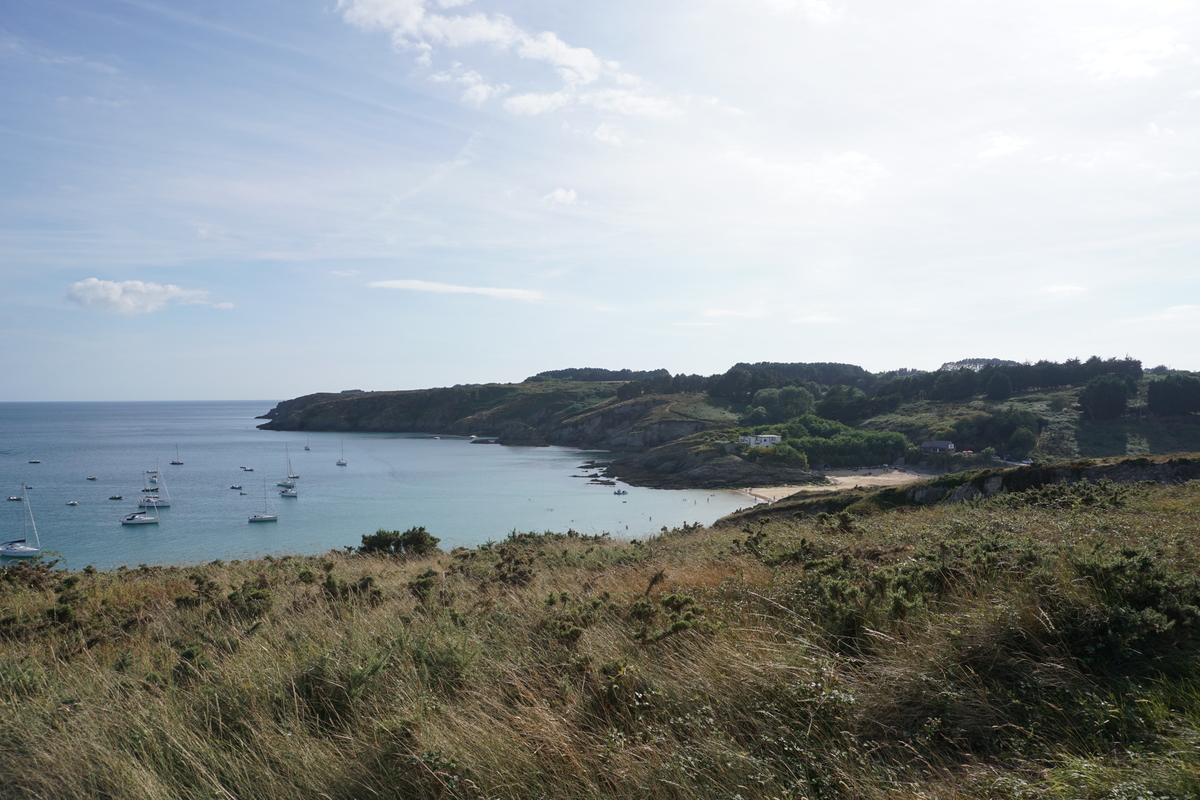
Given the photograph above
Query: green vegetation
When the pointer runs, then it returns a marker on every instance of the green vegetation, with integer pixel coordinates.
(1040, 645)
(1044, 411)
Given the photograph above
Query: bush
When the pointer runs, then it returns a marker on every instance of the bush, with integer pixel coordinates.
(414, 542)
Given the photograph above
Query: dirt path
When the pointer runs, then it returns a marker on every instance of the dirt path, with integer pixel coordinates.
(841, 479)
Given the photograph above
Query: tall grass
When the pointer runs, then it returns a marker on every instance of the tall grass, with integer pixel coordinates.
(1035, 649)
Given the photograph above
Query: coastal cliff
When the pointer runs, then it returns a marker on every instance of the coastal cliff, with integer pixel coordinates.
(572, 414)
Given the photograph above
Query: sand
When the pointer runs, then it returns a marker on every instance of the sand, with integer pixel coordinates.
(841, 479)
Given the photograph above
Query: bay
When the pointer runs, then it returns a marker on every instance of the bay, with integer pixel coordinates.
(464, 493)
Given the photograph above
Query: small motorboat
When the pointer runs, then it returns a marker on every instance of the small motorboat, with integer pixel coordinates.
(114, 497)
(15, 498)
(34, 461)
(236, 486)
(72, 502)
(91, 477)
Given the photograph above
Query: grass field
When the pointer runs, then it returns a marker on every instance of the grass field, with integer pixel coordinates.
(1039, 645)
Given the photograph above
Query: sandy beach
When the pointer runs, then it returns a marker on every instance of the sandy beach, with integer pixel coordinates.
(840, 479)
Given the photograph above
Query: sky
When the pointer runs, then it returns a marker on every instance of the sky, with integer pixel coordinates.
(227, 199)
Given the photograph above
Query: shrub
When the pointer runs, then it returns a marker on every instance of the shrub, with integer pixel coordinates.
(414, 542)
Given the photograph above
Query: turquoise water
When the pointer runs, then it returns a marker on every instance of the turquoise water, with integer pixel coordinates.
(463, 493)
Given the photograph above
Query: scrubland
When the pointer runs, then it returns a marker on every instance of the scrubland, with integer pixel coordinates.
(1035, 645)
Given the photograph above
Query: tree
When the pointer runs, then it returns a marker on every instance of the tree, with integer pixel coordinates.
(999, 387)
(842, 403)
(1022, 442)
(1174, 394)
(1105, 397)
(415, 541)
(957, 384)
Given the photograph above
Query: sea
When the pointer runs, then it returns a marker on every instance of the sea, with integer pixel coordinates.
(462, 492)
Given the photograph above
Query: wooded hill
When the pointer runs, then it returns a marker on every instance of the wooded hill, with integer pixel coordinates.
(829, 415)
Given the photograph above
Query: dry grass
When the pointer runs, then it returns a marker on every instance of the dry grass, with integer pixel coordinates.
(962, 652)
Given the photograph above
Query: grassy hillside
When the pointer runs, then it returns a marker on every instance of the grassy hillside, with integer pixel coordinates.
(1033, 646)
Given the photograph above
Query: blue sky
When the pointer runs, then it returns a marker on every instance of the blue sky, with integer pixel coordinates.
(262, 199)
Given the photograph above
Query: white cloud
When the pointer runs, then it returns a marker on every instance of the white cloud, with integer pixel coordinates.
(576, 65)
(846, 177)
(1065, 290)
(133, 297)
(446, 288)
(609, 134)
(816, 319)
(745, 314)
(343, 273)
(1002, 144)
(1138, 56)
(536, 103)
(413, 26)
(818, 11)
(566, 197)
(477, 90)
(629, 102)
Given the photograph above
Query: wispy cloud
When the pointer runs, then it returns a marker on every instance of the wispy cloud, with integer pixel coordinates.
(737, 314)
(1002, 144)
(476, 90)
(414, 26)
(566, 197)
(1065, 290)
(1136, 56)
(447, 288)
(134, 297)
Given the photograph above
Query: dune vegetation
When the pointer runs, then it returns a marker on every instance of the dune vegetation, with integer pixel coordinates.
(1041, 644)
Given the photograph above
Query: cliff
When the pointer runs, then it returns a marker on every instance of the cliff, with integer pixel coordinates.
(569, 413)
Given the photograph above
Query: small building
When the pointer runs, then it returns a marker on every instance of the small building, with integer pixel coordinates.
(936, 448)
(761, 440)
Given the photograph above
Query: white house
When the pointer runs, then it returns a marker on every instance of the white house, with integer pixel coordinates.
(761, 440)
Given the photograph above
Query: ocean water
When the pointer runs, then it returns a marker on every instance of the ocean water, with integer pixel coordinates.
(463, 493)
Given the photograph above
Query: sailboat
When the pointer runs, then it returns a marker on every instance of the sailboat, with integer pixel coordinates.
(289, 480)
(341, 462)
(267, 514)
(20, 548)
(176, 462)
(155, 500)
(140, 518)
(307, 442)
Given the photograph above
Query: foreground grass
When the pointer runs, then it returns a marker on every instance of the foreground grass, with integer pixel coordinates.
(1032, 646)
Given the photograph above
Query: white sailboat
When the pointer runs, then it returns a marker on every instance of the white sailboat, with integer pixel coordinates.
(341, 462)
(268, 514)
(289, 479)
(140, 518)
(20, 548)
(176, 462)
(307, 443)
(154, 499)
